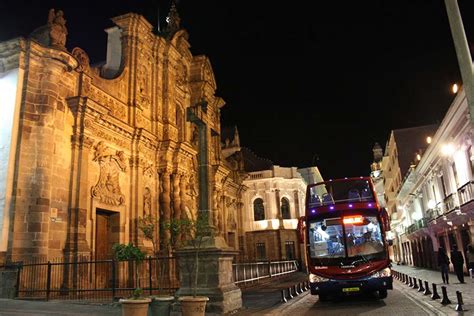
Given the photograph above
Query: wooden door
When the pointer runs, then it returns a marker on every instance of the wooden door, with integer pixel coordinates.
(102, 250)
(102, 236)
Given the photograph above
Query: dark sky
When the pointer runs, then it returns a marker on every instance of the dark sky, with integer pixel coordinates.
(304, 81)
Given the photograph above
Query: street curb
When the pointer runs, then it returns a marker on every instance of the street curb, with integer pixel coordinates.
(427, 307)
(285, 306)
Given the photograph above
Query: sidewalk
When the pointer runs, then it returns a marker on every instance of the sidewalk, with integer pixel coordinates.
(432, 276)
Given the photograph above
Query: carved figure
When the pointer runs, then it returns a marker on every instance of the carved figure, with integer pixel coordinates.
(147, 202)
(195, 136)
(82, 58)
(57, 28)
(107, 189)
(143, 88)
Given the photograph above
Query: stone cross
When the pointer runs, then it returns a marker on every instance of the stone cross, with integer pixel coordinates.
(197, 114)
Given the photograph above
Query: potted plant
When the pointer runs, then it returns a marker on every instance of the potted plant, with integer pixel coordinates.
(196, 232)
(161, 303)
(136, 305)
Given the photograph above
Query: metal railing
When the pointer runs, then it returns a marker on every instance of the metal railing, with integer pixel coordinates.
(96, 279)
(451, 202)
(466, 193)
(254, 271)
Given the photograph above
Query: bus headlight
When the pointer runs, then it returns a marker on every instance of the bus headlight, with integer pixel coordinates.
(313, 278)
(382, 273)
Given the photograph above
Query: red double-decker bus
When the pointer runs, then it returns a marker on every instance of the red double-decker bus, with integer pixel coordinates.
(344, 237)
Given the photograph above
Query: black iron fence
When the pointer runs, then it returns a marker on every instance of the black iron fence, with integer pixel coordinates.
(105, 280)
(97, 279)
(251, 272)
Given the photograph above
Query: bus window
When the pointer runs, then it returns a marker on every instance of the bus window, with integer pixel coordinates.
(364, 238)
(326, 239)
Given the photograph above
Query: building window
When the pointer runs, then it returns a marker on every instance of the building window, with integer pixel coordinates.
(434, 193)
(471, 156)
(261, 251)
(443, 185)
(290, 250)
(285, 208)
(455, 173)
(258, 210)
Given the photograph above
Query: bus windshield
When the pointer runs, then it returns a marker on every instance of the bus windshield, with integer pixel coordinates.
(334, 192)
(345, 239)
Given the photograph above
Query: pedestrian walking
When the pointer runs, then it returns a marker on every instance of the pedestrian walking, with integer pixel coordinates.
(443, 263)
(470, 259)
(458, 263)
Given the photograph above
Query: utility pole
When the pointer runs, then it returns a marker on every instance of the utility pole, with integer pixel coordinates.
(462, 52)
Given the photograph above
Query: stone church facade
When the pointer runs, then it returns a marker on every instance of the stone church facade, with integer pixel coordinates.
(88, 150)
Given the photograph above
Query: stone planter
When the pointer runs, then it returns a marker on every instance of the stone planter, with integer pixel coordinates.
(193, 306)
(135, 307)
(161, 305)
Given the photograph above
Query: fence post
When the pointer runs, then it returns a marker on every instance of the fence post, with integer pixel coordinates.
(149, 274)
(435, 295)
(17, 290)
(114, 274)
(460, 302)
(420, 287)
(427, 289)
(48, 281)
(270, 269)
(445, 300)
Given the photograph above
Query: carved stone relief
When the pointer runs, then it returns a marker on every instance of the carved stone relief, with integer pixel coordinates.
(230, 206)
(147, 201)
(82, 58)
(143, 87)
(107, 189)
(116, 108)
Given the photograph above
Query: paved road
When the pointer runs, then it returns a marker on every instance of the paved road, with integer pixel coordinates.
(397, 303)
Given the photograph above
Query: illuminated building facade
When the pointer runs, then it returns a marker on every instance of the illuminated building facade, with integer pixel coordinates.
(436, 198)
(86, 151)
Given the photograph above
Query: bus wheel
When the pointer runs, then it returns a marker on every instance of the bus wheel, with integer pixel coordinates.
(382, 294)
(323, 297)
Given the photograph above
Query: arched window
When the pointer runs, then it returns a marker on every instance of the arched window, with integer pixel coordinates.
(258, 210)
(285, 208)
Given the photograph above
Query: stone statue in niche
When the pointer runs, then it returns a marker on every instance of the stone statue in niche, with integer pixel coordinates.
(107, 189)
(230, 205)
(195, 136)
(143, 87)
(57, 28)
(147, 202)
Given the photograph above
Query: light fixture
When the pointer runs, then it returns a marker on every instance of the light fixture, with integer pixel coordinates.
(431, 204)
(428, 139)
(455, 88)
(418, 157)
(447, 149)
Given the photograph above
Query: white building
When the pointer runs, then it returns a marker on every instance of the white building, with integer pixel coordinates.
(402, 150)
(273, 202)
(436, 197)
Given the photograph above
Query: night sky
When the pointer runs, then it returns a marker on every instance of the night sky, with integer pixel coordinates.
(305, 82)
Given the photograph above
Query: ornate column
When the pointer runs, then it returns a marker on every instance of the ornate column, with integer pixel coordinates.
(176, 196)
(183, 195)
(165, 200)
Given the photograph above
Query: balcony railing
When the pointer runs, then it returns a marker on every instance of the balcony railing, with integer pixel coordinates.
(451, 202)
(466, 193)
(433, 213)
(418, 224)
